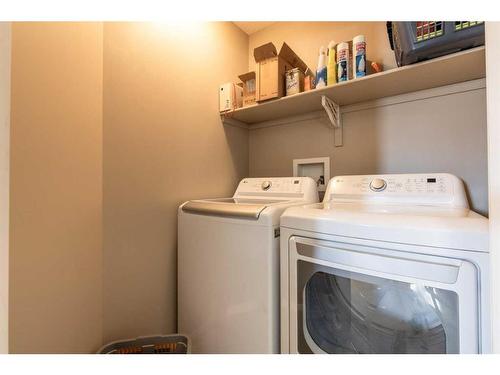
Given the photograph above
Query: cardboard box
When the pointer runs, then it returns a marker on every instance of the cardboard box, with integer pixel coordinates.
(249, 88)
(271, 68)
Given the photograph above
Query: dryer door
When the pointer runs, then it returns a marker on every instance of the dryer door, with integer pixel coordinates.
(348, 298)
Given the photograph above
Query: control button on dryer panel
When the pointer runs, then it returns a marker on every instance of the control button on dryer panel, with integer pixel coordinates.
(378, 184)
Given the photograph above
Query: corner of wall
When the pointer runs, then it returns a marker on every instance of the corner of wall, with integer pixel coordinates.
(5, 47)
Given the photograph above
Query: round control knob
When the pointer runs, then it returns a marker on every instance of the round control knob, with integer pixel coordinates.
(266, 185)
(378, 184)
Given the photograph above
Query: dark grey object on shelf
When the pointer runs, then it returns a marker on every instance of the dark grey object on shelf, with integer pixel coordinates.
(422, 40)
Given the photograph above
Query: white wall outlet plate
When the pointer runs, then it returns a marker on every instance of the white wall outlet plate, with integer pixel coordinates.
(316, 168)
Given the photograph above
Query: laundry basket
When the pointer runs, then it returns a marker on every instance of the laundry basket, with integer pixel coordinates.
(168, 344)
(422, 40)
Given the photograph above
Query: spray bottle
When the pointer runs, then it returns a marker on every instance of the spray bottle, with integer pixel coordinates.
(321, 75)
(331, 68)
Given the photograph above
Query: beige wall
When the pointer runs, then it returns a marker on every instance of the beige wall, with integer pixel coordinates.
(4, 183)
(56, 188)
(163, 144)
(443, 133)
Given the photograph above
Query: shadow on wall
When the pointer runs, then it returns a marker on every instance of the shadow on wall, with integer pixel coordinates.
(237, 142)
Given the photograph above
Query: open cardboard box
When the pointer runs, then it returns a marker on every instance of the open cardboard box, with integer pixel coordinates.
(249, 88)
(271, 68)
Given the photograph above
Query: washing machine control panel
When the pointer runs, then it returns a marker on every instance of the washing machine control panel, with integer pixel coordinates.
(415, 188)
(278, 188)
(266, 186)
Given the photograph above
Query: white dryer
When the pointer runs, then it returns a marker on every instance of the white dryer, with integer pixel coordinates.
(386, 264)
(228, 265)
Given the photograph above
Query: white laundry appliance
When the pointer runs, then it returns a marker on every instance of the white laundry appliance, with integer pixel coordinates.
(228, 265)
(386, 264)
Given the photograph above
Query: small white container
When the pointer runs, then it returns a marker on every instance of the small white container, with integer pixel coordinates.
(359, 56)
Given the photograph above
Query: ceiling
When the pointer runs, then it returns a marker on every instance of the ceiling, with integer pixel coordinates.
(252, 27)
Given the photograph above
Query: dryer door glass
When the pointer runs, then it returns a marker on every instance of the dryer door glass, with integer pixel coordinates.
(346, 312)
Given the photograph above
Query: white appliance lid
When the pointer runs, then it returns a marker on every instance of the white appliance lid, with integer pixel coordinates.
(231, 207)
(254, 195)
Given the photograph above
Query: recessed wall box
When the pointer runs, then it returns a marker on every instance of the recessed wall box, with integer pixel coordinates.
(316, 168)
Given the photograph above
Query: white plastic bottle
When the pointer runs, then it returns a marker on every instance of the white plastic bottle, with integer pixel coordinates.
(343, 62)
(321, 75)
(331, 69)
(359, 56)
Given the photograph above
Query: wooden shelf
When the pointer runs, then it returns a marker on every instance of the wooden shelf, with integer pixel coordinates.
(458, 67)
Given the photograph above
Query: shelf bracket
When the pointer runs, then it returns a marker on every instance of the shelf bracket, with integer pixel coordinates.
(227, 120)
(332, 109)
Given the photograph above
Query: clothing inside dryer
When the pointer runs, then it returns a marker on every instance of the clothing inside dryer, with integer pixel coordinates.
(354, 313)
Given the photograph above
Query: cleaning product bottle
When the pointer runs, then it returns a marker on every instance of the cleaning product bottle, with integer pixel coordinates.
(321, 75)
(331, 68)
(343, 62)
(359, 56)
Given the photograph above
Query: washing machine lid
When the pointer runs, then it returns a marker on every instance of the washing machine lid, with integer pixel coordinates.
(419, 209)
(255, 196)
(230, 207)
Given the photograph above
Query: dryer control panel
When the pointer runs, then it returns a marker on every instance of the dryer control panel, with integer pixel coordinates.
(422, 189)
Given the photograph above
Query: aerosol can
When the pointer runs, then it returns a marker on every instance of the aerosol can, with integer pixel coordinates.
(343, 62)
(359, 56)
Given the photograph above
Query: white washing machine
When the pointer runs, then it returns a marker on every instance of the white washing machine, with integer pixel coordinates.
(228, 265)
(386, 264)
